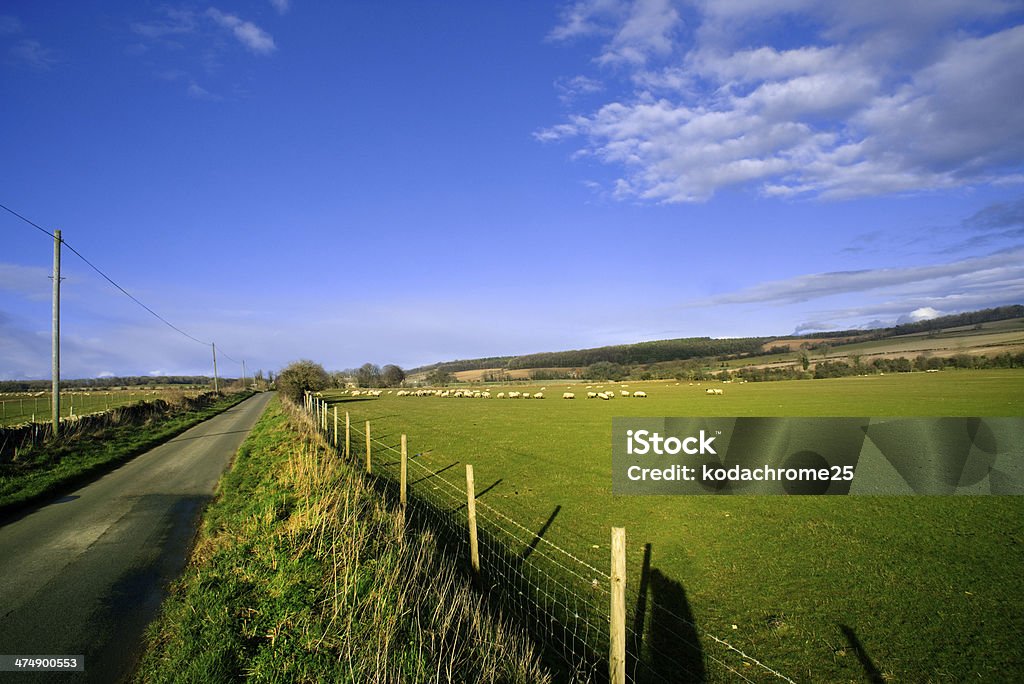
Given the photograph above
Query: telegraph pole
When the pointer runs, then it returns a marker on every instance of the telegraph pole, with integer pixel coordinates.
(55, 370)
(243, 374)
(214, 345)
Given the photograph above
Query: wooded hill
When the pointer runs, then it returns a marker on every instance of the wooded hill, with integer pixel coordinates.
(689, 348)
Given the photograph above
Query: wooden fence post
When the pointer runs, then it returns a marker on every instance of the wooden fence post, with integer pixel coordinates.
(404, 473)
(348, 436)
(474, 551)
(617, 637)
(369, 468)
(334, 442)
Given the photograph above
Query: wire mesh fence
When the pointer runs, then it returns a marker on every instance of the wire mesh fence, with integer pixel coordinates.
(564, 600)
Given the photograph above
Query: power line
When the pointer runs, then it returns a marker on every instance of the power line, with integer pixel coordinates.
(8, 209)
(132, 297)
(111, 281)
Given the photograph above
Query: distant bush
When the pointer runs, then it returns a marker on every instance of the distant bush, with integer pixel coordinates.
(301, 377)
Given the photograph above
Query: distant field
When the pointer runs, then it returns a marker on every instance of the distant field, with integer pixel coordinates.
(822, 589)
(991, 339)
(23, 407)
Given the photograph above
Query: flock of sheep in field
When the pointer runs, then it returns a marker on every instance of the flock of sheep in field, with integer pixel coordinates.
(486, 394)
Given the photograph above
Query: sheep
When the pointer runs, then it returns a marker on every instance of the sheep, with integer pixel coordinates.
(524, 395)
(624, 393)
(605, 396)
(501, 395)
(713, 391)
(568, 395)
(591, 395)
(513, 395)
(640, 394)
(538, 395)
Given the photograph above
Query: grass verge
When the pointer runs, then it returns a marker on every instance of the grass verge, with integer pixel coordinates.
(302, 573)
(58, 465)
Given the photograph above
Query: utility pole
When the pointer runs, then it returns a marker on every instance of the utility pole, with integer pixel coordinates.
(215, 387)
(243, 374)
(55, 370)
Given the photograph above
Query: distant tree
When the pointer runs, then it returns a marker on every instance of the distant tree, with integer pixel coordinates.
(368, 375)
(300, 377)
(606, 370)
(339, 379)
(805, 358)
(439, 378)
(391, 375)
(824, 348)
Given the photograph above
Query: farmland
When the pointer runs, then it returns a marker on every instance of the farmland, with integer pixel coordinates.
(24, 407)
(821, 589)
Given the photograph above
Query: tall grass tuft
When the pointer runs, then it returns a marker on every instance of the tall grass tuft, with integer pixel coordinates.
(303, 573)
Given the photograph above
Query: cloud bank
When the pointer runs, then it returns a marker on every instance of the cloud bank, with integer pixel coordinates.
(801, 99)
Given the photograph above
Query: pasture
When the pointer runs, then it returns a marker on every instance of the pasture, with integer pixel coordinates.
(24, 407)
(820, 588)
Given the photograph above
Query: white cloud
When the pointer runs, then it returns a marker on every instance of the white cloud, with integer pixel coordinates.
(175, 22)
(32, 54)
(197, 92)
(883, 97)
(924, 313)
(281, 6)
(637, 29)
(997, 275)
(32, 282)
(250, 35)
(569, 89)
(9, 24)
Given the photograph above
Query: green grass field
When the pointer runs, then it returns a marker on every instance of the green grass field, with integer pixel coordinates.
(24, 407)
(822, 589)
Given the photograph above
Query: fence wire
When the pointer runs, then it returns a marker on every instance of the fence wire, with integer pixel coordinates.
(562, 599)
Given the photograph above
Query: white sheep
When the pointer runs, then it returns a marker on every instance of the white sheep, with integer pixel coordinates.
(568, 395)
(591, 395)
(538, 395)
(624, 393)
(713, 391)
(604, 396)
(501, 395)
(640, 395)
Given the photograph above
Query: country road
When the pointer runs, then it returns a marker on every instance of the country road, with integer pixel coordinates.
(84, 574)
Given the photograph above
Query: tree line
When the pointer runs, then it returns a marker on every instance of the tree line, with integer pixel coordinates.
(110, 382)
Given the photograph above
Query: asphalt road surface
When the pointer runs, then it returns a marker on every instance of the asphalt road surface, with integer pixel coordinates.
(85, 574)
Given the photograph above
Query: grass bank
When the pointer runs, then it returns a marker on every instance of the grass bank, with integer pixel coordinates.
(80, 454)
(301, 573)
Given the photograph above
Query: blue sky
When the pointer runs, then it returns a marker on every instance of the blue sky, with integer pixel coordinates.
(423, 181)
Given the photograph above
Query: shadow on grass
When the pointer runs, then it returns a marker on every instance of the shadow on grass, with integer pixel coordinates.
(664, 644)
(540, 533)
(434, 474)
(873, 674)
